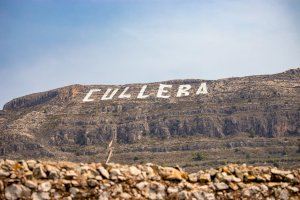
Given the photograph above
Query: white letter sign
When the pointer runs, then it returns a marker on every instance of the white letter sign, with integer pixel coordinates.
(183, 90)
(202, 89)
(89, 94)
(141, 94)
(124, 95)
(161, 91)
(105, 96)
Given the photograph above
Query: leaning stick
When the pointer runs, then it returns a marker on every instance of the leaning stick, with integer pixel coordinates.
(110, 148)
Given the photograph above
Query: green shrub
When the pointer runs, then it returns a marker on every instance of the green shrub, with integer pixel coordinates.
(198, 156)
(135, 158)
(252, 134)
(247, 156)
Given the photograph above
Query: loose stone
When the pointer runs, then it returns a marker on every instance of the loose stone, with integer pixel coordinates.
(44, 187)
(221, 186)
(31, 184)
(103, 172)
(38, 172)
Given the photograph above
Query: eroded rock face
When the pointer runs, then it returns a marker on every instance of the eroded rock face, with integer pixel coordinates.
(115, 181)
(265, 106)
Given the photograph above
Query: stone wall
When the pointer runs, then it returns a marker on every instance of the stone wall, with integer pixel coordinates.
(65, 180)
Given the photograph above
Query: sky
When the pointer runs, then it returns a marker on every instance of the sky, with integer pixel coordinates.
(46, 44)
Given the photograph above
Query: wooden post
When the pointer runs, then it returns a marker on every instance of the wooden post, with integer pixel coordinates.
(110, 147)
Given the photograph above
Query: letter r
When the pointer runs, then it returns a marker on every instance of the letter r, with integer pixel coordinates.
(183, 90)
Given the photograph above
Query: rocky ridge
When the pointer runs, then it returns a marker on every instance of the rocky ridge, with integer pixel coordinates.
(39, 180)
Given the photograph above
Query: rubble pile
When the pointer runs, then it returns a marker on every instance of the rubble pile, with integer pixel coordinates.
(39, 180)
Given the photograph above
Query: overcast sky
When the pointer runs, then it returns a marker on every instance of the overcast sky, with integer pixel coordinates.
(47, 44)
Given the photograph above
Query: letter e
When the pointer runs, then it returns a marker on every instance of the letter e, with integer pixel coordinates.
(161, 91)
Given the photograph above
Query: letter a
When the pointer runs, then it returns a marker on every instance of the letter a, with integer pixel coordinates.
(105, 96)
(202, 89)
(89, 94)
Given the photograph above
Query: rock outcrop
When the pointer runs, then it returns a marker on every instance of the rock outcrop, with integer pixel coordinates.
(64, 180)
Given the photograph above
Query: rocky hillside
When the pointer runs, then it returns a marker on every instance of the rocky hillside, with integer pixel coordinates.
(246, 117)
(63, 180)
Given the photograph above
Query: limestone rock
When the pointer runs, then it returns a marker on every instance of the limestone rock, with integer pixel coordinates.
(16, 191)
(134, 171)
(193, 177)
(170, 173)
(45, 186)
(204, 178)
(38, 172)
(1, 186)
(142, 185)
(92, 183)
(171, 190)
(4, 174)
(31, 184)
(125, 195)
(40, 196)
(70, 174)
(103, 172)
(31, 164)
(74, 191)
(221, 186)
(280, 172)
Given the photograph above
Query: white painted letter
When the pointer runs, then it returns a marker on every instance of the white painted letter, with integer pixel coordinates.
(105, 96)
(89, 94)
(202, 89)
(141, 94)
(124, 95)
(161, 91)
(183, 90)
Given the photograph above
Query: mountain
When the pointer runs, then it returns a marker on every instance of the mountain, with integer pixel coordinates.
(188, 122)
